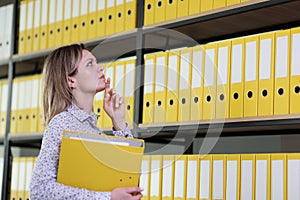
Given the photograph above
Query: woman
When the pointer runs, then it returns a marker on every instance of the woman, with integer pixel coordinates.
(71, 78)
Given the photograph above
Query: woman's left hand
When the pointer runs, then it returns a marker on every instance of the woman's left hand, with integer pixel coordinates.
(114, 106)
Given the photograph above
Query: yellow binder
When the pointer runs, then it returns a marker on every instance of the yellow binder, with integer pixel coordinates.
(160, 11)
(184, 107)
(51, 23)
(145, 177)
(218, 176)
(206, 5)
(44, 24)
(168, 167)
(25, 121)
(182, 8)
(40, 126)
(223, 79)
(120, 16)
(180, 177)
(29, 169)
(1, 125)
(120, 77)
(219, 3)
(110, 17)
(14, 106)
(266, 74)
(36, 26)
(205, 176)
(197, 85)
(21, 106)
(109, 72)
(14, 178)
(149, 12)
(29, 26)
(22, 27)
(247, 176)
(233, 167)
(251, 76)
(59, 23)
(67, 22)
(236, 79)
(262, 176)
(171, 9)
(160, 89)
(282, 80)
(194, 7)
(4, 93)
(278, 176)
(75, 21)
(34, 104)
(209, 82)
(148, 102)
(156, 177)
(101, 18)
(120, 165)
(232, 2)
(130, 14)
(293, 181)
(129, 90)
(83, 20)
(295, 72)
(92, 20)
(172, 86)
(21, 178)
(192, 182)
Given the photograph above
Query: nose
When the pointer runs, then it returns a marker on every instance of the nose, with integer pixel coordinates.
(100, 68)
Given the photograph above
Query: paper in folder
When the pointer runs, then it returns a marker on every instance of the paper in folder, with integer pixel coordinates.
(99, 162)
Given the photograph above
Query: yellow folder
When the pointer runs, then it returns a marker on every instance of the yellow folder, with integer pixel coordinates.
(25, 121)
(44, 24)
(40, 125)
(192, 182)
(92, 20)
(101, 18)
(149, 9)
(145, 177)
(4, 93)
(59, 24)
(148, 102)
(251, 76)
(293, 181)
(119, 85)
(36, 26)
(120, 165)
(247, 183)
(34, 104)
(22, 27)
(232, 2)
(180, 177)
(29, 25)
(1, 125)
(129, 90)
(233, 167)
(278, 176)
(83, 20)
(218, 176)
(206, 5)
(156, 177)
(194, 7)
(266, 74)
(219, 3)
(209, 82)
(75, 21)
(171, 9)
(120, 16)
(205, 176)
(21, 177)
(282, 69)
(51, 23)
(110, 17)
(223, 79)
(262, 176)
(130, 14)
(172, 86)
(160, 11)
(14, 106)
(67, 23)
(184, 107)
(14, 178)
(295, 72)
(21, 106)
(182, 8)
(168, 166)
(197, 84)
(236, 79)
(29, 169)
(160, 89)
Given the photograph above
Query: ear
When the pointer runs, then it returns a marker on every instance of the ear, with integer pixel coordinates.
(71, 82)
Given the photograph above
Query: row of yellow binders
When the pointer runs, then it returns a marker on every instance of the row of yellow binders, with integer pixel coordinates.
(51, 23)
(221, 176)
(255, 75)
(212, 176)
(6, 21)
(156, 11)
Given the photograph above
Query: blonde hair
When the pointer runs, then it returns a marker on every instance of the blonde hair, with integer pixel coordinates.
(56, 93)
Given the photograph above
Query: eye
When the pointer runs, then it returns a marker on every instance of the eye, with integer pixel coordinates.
(89, 64)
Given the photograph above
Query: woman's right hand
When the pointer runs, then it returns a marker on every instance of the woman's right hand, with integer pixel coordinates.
(127, 193)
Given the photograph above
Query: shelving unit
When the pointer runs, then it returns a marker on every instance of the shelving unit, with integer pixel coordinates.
(233, 21)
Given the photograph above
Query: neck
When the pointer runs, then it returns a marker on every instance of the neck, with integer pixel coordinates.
(85, 103)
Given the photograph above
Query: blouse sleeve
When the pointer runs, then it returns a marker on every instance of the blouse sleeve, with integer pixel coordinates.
(43, 183)
(123, 133)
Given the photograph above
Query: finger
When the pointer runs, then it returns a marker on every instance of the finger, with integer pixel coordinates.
(116, 100)
(137, 197)
(107, 85)
(130, 190)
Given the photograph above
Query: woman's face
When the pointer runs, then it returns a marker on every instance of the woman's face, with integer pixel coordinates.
(90, 77)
